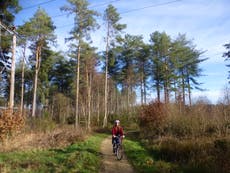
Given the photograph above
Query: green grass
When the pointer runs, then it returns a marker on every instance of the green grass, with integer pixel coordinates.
(82, 157)
(179, 156)
(143, 162)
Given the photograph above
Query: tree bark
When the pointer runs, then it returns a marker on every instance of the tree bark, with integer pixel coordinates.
(105, 121)
(77, 86)
(98, 106)
(158, 91)
(145, 99)
(128, 98)
(37, 67)
(183, 90)
(12, 76)
(189, 91)
(88, 85)
(158, 83)
(23, 80)
(142, 88)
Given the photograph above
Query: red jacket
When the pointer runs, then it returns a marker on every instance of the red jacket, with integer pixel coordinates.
(117, 130)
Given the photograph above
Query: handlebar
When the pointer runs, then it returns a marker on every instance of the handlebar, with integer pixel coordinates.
(119, 136)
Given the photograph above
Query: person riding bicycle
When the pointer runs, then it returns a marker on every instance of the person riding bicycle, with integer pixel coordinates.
(117, 131)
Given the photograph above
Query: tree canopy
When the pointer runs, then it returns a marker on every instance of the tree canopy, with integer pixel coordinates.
(95, 84)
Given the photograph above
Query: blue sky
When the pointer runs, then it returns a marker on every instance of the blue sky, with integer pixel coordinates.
(206, 22)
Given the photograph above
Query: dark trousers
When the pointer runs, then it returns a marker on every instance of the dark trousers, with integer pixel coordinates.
(115, 140)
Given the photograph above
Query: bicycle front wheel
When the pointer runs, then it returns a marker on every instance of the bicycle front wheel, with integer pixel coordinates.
(119, 152)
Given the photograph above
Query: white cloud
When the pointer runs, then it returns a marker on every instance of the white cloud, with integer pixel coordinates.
(213, 95)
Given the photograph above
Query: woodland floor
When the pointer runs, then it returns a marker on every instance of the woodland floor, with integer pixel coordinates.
(109, 163)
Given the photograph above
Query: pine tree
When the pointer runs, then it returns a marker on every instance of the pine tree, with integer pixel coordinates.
(84, 23)
(61, 76)
(8, 9)
(127, 67)
(113, 28)
(186, 60)
(42, 31)
(88, 71)
(160, 46)
(143, 70)
(24, 32)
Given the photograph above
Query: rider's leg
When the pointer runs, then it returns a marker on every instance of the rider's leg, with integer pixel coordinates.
(113, 143)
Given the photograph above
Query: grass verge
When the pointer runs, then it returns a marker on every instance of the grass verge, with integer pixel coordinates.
(175, 156)
(82, 157)
(143, 162)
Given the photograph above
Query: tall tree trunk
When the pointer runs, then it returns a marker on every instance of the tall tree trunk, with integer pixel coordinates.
(166, 82)
(166, 92)
(23, 80)
(117, 103)
(142, 89)
(105, 121)
(77, 86)
(145, 99)
(189, 91)
(158, 84)
(88, 85)
(98, 106)
(128, 98)
(114, 106)
(37, 66)
(108, 98)
(12, 76)
(158, 91)
(175, 91)
(183, 91)
(83, 110)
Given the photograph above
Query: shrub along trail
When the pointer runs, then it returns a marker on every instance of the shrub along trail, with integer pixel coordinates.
(109, 163)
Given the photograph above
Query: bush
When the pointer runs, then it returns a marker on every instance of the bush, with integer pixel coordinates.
(197, 137)
(179, 126)
(10, 122)
(152, 118)
(157, 119)
(203, 154)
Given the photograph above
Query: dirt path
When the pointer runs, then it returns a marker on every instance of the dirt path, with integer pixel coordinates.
(110, 164)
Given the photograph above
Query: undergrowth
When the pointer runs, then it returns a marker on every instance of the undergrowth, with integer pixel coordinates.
(196, 139)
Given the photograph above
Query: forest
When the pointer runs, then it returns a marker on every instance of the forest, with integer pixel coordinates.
(53, 100)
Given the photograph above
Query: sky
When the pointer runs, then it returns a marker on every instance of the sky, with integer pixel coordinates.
(205, 22)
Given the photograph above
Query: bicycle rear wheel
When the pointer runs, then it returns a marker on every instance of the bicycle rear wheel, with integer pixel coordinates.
(119, 152)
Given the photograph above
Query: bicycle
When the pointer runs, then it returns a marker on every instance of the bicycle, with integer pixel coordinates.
(118, 150)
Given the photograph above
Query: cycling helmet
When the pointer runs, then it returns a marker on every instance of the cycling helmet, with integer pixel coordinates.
(117, 122)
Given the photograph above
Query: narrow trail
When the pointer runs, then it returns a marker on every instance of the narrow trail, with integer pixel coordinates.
(109, 163)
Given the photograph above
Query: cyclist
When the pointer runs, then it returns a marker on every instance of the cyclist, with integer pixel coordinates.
(117, 131)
